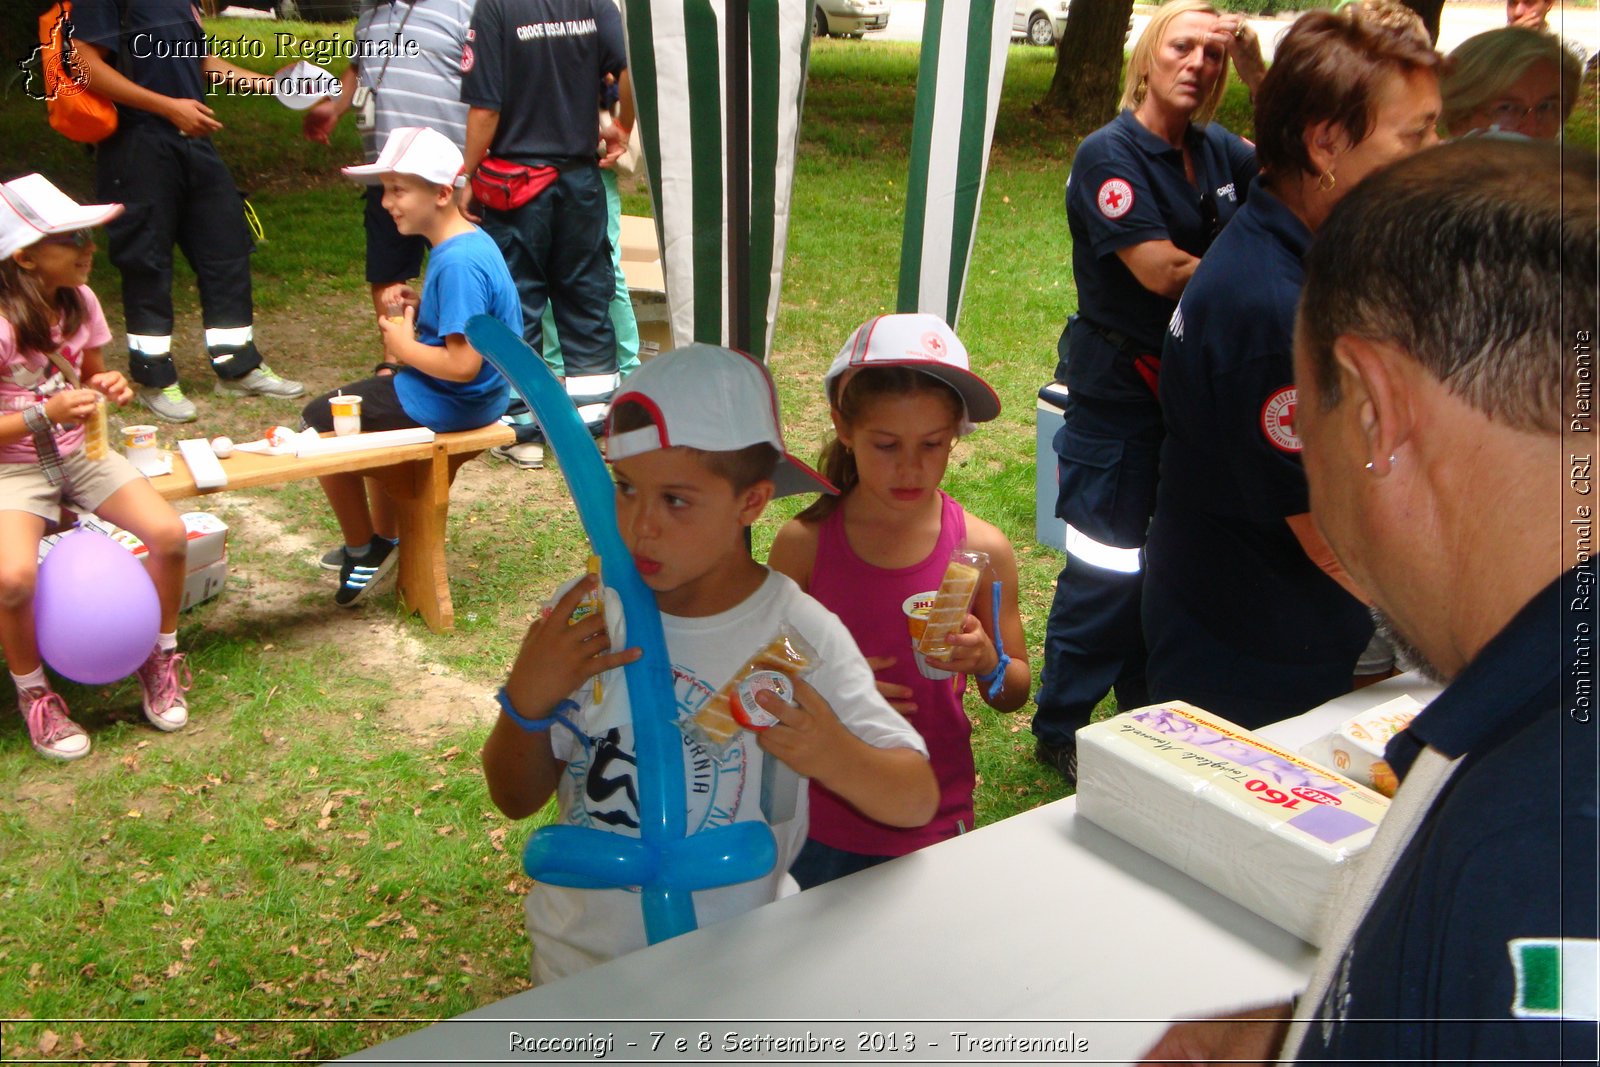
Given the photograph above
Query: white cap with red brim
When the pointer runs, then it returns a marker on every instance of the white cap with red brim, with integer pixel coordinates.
(713, 399)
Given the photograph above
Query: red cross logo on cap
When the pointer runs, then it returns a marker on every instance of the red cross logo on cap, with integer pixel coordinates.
(1115, 198)
(933, 344)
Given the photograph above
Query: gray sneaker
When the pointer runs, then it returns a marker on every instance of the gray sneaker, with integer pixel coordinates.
(260, 382)
(529, 455)
(167, 403)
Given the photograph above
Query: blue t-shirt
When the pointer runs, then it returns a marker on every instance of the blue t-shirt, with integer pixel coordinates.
(1128, 186)
(165, 44)
(1219, 545)
(1461, 957)
(466, 276)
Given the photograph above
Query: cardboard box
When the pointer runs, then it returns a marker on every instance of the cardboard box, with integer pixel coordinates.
(1355, 749)
(1047, 529)
(1271, 831)
(208, 558)
(647, 284)
(208, 537)
(205, 583)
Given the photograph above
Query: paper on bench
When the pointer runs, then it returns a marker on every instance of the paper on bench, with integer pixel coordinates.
(203, 465)
(361, 442)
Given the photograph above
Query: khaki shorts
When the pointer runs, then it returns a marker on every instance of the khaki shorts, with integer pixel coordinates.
(89, 483)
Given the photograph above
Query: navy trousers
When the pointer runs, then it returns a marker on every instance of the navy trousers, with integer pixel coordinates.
(558, 251)
(1108, 455)
(176, 191)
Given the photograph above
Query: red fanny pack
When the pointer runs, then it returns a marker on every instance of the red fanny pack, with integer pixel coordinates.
(505, 186)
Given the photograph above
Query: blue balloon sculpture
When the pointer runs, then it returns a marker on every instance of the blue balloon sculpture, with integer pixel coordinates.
(665, 861)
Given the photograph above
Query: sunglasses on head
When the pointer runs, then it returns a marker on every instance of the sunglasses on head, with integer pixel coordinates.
(76, 238)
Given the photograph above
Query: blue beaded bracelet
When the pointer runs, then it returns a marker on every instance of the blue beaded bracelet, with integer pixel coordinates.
(538, 726)
(994, 682)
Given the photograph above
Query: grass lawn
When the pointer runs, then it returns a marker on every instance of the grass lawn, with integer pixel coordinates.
(313, 865)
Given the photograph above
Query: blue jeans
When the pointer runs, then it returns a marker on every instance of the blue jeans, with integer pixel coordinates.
(558, 253)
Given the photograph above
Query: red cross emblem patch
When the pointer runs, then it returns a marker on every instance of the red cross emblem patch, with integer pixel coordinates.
(1115, 198)
(1277, 420)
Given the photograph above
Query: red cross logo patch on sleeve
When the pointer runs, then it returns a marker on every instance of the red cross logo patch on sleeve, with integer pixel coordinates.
(1277, 420)
(467, 59)
(1115, 198)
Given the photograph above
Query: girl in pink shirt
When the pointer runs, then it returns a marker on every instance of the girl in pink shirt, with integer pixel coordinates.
(900, 394)
(51, 380)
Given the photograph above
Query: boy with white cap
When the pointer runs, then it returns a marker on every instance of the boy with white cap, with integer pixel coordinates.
(431, 377)
(695, 444)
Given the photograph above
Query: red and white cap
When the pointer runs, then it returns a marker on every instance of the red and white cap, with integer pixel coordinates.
(420, 151)
(710, 398)
(32, 208)
(922, 343)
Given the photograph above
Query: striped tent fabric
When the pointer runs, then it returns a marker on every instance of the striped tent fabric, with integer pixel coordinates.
(676, 56)
(963, 61)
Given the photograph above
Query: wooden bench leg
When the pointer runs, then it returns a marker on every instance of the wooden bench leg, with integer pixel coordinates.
(421, 495)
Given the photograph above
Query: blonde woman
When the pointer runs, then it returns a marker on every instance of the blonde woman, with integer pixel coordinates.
(1148, 193)
(1511, 80)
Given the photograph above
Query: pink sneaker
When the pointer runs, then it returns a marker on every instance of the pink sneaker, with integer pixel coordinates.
(162, 680)
(54, 735)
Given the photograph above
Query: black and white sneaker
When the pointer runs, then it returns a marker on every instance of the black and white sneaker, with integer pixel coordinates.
(358, 577)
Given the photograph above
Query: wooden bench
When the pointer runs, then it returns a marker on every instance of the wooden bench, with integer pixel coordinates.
(417, 477)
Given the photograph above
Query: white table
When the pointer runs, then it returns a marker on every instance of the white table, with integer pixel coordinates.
(1040, 917)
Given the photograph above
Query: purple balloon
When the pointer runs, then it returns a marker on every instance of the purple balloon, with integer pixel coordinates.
(95, 609)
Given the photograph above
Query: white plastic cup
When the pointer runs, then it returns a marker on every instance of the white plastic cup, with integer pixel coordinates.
(346, 414)
(139, 444)
(916, 608)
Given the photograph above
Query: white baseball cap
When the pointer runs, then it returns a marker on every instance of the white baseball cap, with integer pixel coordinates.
(32, 208)
(710, 398)
(420, 151)
(922, 343)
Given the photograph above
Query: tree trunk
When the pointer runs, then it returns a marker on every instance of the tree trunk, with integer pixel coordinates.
(1088, 78)
(1429, 10)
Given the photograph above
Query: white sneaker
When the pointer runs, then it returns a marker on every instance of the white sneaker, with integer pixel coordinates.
(167, 403)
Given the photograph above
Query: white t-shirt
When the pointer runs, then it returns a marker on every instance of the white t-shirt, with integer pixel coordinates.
(573, 929)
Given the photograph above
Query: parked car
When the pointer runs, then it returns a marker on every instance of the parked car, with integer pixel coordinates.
(1042, 22)
(304, 10)
(848, 18)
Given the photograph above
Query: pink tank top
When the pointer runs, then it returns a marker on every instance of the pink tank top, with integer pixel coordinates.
(869, 600)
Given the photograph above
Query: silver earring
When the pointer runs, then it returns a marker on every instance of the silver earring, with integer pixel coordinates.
(1370, 467)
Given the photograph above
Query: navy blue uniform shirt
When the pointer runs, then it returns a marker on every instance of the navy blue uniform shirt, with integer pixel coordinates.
(540, 64)
(1219, 549)
(165, 46)
(1464, 938)
(1128, 186)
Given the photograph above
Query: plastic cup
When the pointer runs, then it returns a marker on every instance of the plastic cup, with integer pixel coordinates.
(916, 609)
(139, 444)
(346, 414)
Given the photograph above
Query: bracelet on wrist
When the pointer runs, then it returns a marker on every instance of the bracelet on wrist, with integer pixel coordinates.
(558, 714)
(994, 681)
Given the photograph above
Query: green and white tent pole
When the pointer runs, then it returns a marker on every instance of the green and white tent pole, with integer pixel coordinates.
(677, 55)
(964, 46)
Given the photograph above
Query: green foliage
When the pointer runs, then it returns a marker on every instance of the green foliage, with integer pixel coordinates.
(1269, 7)
(308, 851)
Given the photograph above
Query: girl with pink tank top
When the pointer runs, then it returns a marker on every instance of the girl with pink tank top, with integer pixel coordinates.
(901, 393)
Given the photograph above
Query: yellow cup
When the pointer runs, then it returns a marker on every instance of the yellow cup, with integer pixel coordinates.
(346, 414)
